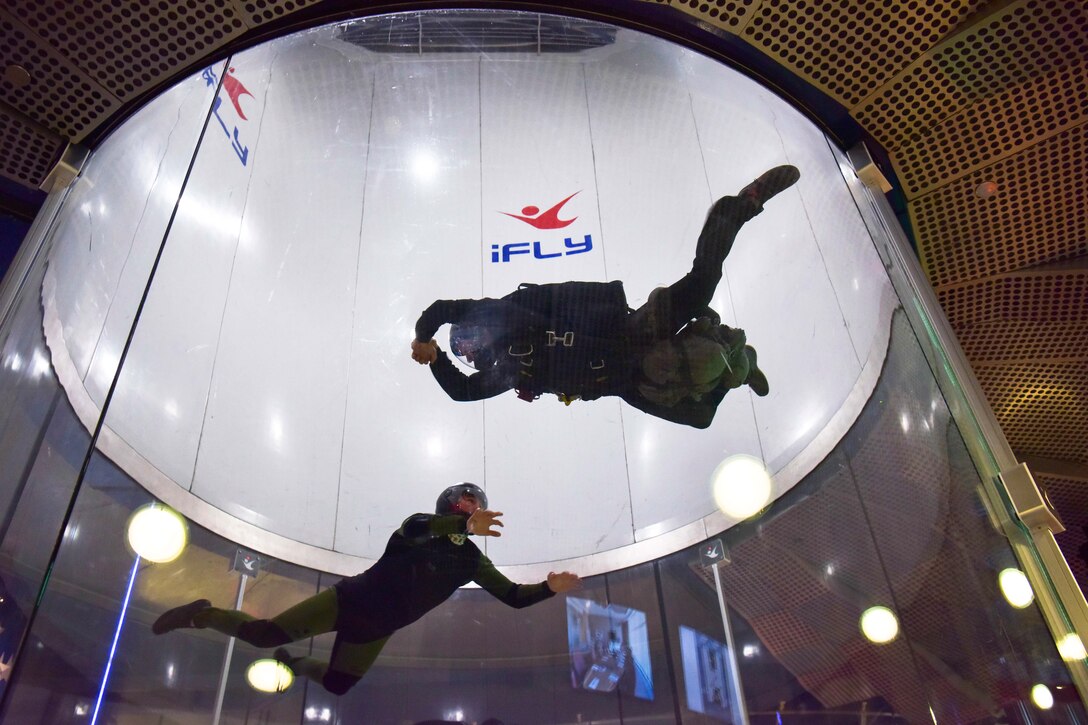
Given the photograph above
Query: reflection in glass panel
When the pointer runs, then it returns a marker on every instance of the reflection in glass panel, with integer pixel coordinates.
(42, 445)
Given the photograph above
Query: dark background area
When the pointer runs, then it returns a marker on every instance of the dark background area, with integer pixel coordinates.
(18, 207)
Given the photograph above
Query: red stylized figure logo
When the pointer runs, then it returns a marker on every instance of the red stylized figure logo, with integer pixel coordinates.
(235, 90)
(549, 219)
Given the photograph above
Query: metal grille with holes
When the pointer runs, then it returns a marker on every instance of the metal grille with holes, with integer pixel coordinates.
(1028, 39)
(60, 95)
(1023, 395)
(1028, 114)
(730, 15)
(25, 151)
(847, 48)
(1022, 341)
(258, 12)
(127, 46)
(1039, 297)
(1035, 217)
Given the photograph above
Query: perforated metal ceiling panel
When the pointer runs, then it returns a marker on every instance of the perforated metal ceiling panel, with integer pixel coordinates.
(1020, 341)
(1001, 125)
(1023, 395)
(259, 12)
(1037, 215)
(126, 46)
(86, 58)
(1040, 297)
(60, 94)
(847, 48)
(26, 150)
(1027, 39)
(731, 15)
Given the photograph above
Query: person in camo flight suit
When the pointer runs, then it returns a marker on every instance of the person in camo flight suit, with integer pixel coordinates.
(671, 358)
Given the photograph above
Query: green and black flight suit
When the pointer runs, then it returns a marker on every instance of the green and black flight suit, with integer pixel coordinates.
(423, 565)
(567, 338)
(580, 339)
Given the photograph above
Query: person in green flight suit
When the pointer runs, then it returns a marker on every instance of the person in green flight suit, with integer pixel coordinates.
(580, 340)
(426, 560)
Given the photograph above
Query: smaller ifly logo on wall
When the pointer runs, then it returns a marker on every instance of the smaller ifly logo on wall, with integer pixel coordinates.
(547, 220)
(235, 91)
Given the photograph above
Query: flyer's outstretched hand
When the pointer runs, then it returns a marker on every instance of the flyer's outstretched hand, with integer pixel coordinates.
(424, 353)
(564, 581)
(481, 521)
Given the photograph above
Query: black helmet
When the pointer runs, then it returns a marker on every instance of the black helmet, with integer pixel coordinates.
(470, 345)
(447, 501)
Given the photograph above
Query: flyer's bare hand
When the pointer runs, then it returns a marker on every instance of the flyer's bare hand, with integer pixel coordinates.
(564, 581)
(424, 353)
(481, 521)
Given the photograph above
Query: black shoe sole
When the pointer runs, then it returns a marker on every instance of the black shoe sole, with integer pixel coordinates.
(770, 183)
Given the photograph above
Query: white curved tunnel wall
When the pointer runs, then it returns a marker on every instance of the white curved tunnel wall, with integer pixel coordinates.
(269, 374)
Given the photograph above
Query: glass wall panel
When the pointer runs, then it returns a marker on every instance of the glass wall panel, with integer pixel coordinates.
(44, 446)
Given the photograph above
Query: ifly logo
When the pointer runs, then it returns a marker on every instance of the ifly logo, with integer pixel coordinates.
(543, 220)
(549, 219)
(235, 90)
(503, 252)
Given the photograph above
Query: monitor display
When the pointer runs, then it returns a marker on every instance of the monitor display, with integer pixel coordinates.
(706, 674)
(609, 648)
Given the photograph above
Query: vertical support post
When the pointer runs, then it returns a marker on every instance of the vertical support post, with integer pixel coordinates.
(736, 702)
(227, 656)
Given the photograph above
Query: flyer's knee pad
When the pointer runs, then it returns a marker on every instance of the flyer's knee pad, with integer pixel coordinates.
(263, 633)
(338, 682)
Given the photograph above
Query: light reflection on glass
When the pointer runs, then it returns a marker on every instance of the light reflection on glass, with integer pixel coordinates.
(424, 166)
(1071, 648)
(741, 486)
(1016, 588)
(879, 625)
(1042, 697)
(157, 533)
(41, 364)
(434, 446)
(276, 429)
(268, 675)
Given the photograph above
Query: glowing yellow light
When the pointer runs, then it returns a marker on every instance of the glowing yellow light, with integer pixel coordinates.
(741, 486)
(157, 533)
(879, 625)
(269, 676)
(1016, 587)
(1042, 697)
(1071, 648)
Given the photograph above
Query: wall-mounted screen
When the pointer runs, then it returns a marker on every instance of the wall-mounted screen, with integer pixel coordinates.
(706, 674)
(609, 648)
